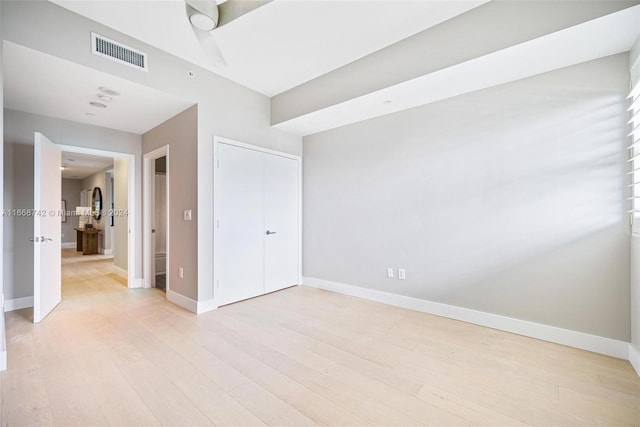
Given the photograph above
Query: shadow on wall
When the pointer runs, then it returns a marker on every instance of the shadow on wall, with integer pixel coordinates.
(511, 200)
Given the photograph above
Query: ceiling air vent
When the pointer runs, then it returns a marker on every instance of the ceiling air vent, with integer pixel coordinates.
(118, 52)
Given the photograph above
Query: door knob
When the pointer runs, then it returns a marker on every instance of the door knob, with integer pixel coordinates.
(270, 232)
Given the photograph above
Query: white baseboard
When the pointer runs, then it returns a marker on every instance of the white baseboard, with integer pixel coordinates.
(137, 284)
(18, 303)
(208, 305)
(107, 251)
(634, 358)
(68, 245)
(594, 343)
(182, 301)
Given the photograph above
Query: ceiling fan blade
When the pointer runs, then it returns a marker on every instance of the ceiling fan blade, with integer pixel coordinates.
(210, 47)
(205, 38)
(232, 9)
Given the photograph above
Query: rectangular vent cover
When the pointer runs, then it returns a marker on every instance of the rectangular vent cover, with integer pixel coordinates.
(118, 52)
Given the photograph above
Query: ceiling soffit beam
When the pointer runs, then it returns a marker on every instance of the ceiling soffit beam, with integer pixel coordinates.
(605, 36)
(489, 28)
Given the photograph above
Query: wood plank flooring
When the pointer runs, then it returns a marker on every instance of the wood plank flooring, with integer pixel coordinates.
(300, 357)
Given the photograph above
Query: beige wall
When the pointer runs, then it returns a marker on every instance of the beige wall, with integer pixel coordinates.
(510, 200)
(121, 222)
(71, 189)
(180, 133)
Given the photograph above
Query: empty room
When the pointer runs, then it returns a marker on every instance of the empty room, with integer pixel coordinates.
(320, 212)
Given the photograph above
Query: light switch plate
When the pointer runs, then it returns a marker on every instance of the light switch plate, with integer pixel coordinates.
(187, 214)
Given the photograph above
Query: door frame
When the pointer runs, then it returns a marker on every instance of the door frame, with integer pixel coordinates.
(148, 185)
(217, 140)
(131, 202)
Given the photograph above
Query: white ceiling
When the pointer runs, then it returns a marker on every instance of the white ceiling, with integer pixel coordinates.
(80, 166)
(43, 84)
(282, 44)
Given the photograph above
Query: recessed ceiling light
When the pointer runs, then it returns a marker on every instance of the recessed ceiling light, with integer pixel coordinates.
(90, 114)
(105, 98)
(387, 102)
(71, 160)
(108, 91)
(98, 104)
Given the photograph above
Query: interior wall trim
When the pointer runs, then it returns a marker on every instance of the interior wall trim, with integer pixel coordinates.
(207, 305)
(182, 301)
(18, 303)
(581, 340)
(634, 358)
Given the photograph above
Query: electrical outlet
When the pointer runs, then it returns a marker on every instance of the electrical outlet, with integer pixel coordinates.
(402, 274)
(181, 273)
(390, 274)
(187, 214)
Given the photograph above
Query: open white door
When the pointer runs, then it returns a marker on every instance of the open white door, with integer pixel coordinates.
(47, 190)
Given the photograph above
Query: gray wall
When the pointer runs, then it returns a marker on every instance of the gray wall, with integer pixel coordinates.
(18, 185)
(634, 62)
(71, 189)
(509, 200)
(180, 133)
(3, 343)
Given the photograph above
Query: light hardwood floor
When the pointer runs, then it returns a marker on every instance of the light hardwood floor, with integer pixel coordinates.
(112, 356)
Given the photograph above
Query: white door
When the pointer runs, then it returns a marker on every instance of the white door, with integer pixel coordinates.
(281, 222)
(46, 227)
(240, 252)
(257, 231)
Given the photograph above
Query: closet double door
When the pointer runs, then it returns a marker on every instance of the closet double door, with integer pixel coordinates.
(257, 225)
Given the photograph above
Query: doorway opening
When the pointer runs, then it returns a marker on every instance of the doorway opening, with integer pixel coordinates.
(102, 223)
(156, 235)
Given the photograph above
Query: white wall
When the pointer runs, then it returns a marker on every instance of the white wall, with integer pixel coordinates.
(509, 200)
(18, 185)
